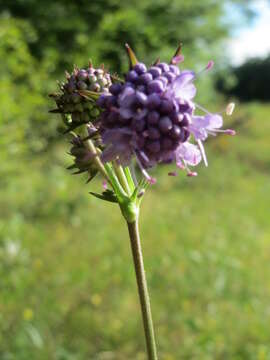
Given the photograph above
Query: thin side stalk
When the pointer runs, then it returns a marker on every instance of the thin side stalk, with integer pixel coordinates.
(142, 289)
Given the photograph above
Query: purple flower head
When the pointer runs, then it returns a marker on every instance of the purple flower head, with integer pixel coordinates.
(154, 119)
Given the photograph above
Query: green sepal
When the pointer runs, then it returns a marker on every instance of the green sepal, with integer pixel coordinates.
(129, 178)
(131, 56)
(107, 195)
(81, 171)
(66, 119)
(54, 95)
(140, 189)
(91, 136)
(177, 52)
(92, 174)
(71, 167)
(55, 111)
(116, 78)
(92, 95)
(156, 62)
(117, 187)
(73, 126)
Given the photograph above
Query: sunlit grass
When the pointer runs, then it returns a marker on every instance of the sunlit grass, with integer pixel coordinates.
(67, 284)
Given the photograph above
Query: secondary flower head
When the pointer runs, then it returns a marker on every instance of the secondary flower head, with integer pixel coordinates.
(151, 116)
(76, 109)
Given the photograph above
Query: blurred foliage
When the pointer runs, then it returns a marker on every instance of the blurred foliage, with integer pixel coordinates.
(248, 82)
(67, 31)
(39, 40)
(24, 85)
(67, 286)
(68, 290)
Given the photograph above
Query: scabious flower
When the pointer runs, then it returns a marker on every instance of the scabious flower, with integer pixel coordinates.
(151, 116)
(76, 109)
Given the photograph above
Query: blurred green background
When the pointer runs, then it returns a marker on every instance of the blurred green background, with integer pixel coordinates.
(67, 285)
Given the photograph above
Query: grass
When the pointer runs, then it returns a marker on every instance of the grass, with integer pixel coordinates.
(67, 284)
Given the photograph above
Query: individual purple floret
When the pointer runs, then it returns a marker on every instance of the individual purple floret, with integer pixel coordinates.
(151, 116)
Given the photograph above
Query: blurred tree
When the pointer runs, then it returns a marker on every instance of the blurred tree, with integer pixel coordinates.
(46, 280)
(66, 30)
(39, 39)
(24, 84)
(248, 82)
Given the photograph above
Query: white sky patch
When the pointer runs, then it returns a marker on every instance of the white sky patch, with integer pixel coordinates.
(254, 40)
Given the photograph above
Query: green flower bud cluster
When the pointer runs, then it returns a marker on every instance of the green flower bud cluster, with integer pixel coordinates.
(77, 109)
(82, 157)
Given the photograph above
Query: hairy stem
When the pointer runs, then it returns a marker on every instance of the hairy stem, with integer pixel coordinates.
(142, 289)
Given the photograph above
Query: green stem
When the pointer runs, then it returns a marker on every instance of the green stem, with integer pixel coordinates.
(142, 289)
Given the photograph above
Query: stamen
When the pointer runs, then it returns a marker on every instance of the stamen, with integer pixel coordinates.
(208, 67)
(213, 133)
(133, 174)
(145, 157)
(202, 152)
(177, 59)
(181, 166)
(192, 173)
(202, 108)
(230, 108)
(185, 167)
(172, 173)
(145, 133)
(151, 180)
(230, 132)
(226, 131)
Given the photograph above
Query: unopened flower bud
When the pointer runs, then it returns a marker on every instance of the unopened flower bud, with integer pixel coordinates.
(70, 102)
(83, 158)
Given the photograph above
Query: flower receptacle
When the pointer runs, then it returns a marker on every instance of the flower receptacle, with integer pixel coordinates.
(130, 209)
